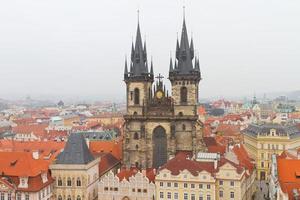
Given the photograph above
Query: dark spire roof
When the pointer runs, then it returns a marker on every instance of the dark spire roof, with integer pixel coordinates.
(76, 151)
(171, 65)
(139, 64)
(184, 67)
(125, 69)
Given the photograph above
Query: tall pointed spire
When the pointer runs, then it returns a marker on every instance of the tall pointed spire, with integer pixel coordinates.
(185, 67)
(139, 66)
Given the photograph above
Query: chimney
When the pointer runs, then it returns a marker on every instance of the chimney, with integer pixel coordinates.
(215, 164)
(144, 172)
(35, 155)
(87, 142)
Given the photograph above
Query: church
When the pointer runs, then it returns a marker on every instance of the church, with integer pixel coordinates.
(157, 124)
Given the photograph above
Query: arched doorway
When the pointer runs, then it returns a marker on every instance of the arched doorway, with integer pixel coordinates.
(159, 139)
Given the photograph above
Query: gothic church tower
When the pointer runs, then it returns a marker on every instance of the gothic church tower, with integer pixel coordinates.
(158, 125)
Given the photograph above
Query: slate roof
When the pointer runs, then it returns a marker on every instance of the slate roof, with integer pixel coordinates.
(291, 131)
(76, 151)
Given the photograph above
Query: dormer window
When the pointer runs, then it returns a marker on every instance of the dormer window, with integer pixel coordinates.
(273, 132)
(23, 182)
(44, 177)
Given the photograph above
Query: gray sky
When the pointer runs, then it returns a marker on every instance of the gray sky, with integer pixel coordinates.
(72, 48)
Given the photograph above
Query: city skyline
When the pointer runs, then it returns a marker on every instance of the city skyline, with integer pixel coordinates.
(72, 54)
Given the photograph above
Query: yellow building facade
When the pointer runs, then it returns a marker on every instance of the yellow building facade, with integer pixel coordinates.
(261, 141)
(187, 179)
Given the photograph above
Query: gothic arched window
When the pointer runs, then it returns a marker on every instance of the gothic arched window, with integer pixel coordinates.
(69, 198)
(136, 136)
(69, 182)
(78, 182)
(59, 197)
(183, 95)
(78, 197)
(59, 182)
(136, 96)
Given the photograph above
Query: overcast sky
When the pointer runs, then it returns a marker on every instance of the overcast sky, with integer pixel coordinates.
(72, 48)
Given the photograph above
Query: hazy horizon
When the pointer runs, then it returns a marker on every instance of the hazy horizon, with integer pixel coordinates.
(76, 49)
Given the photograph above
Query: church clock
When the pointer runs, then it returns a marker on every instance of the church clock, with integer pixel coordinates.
(159, 94)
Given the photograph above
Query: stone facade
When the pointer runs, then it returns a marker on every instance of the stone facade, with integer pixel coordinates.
(137, 186)
(83, 181)
(158, 125)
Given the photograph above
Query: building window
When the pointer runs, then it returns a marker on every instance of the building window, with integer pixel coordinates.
(59, 182)
(200, 197)
(78, 198)
(192, 185)
(183, 127)
(262, 155)
(220, 193)
(136, 96)
(9, 196)
(26, 196)
(19, 196)
(262, 164)
(183, 95)
(231, 183)
(169, 184)
(208, 186)
(59, 197)
(69, 198)
(185, 196)
(220, 182)
(161, 195)
(232, 195)
(208, 197)
(176, 185)
(200, 186)
(175, 195)
(136, 136)
(193, 197)
(2, 196)
(145, 190)
(169, 196)
(161, 184)
(78, 182)
(69, 182)
(185, 185)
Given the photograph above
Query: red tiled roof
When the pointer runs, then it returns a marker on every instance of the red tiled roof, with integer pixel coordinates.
(287, 169)
(113, 147)
(21, 164)
(36, 129)
(45, 148)
(107, 162)
(213, 146)
(182, 162)
(243, 157)
(228, 129)
(127, 173)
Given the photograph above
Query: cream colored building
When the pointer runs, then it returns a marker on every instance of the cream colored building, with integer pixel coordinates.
(76, 171)
(261, 141)
(212, 178)
(127, 184)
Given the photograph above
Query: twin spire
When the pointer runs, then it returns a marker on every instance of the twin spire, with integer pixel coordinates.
(138, 63)
(183, 64)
